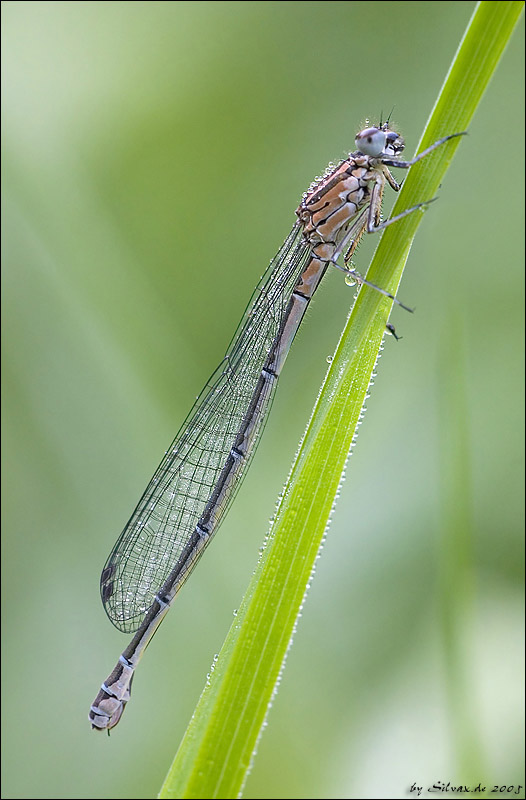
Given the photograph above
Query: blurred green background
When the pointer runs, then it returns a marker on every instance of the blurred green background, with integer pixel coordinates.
(153, 156)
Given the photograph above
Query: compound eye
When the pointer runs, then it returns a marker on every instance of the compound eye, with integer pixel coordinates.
(371, 142)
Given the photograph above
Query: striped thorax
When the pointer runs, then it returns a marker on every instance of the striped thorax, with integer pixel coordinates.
(335, 202)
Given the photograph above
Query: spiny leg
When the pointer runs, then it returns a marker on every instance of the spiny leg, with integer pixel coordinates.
(354, 235)
(424, 153)
(361, 280)
(373, 227)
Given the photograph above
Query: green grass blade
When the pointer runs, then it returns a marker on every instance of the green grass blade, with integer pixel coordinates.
(215, 754)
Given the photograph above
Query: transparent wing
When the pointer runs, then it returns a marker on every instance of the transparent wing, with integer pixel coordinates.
(166, 516)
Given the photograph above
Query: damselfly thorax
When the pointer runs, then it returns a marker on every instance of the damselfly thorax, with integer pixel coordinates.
(330, 207)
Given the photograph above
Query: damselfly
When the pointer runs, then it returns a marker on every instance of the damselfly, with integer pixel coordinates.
(189, 494)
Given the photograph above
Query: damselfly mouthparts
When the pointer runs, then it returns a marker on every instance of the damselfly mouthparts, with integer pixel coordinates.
(189, 494)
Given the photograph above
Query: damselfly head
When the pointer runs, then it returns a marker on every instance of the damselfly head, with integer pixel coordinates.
(378, 142)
